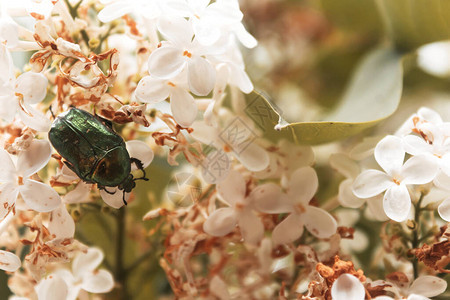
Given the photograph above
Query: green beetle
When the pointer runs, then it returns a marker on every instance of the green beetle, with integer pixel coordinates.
(93, 150)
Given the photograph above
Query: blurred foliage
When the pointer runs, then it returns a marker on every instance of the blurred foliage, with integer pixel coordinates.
(372, 96)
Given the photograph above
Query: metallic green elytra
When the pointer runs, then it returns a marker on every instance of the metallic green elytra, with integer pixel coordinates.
(93, 150)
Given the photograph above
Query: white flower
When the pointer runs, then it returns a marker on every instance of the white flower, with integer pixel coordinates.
(15, 179)
(181, 52)
(18, 95)
(223, 220)
(348, 287)
(153, 90)
(213, 21)
(235, 137)
(303, 185)
(419, 122)
(85, 275)
(390, 154)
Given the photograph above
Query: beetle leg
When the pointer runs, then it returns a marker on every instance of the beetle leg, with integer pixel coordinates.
(123, 198)
(100, 187)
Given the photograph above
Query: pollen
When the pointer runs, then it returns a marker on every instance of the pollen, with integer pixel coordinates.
(171, 83)
(187, 53)
(396, 181)
(20, 180)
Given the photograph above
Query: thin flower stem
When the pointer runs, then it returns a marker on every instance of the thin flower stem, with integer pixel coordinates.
(73, 12)
(415, 239)
(120, 274)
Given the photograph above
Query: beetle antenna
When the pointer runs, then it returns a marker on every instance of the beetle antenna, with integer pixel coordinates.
(123, 198)
(51, 111)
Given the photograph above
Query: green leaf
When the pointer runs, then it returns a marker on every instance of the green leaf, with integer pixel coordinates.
(412, 23)
(372, 96)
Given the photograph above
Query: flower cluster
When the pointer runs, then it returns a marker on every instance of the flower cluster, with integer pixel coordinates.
(113, 108)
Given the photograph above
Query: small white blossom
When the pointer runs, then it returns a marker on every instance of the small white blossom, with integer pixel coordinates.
(85, 275)
(182, 52)
(16, 180)
(303, 185)
(390, 154)
(19, 95)
(240, 211)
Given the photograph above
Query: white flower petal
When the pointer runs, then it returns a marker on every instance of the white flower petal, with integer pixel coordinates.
(85, 263)
(8, 107)
(216, 166)
(201, 76)
(239, 78)
(114, 10)
(346, 197)
(416, 297)
(152, 90)
(9, 33)
(232, 189)
(205, 34)
(416, 145)
(428, 286)
(32, 86)
(245, 37)
(61, 223)
(74, 289)
(203, 132)
(79, 194)
(7, 167)
(434, 58)
(175, 29)
(100, 281)
(34, 119)
(444, 210)
(375, 208)
(252, 229)
(303, 185)
(114, 200)
(8, 196)
(183, 106)
(419, 169)
(371, 183)
(442, 180)
(7, 66)
(389, 153)
(39, 196)
(9, 262)
(166, 62)
(220, 222)
(397, 203)
(52, 288)
(348, 287)
(319, 222)
(254, 157)
(290, 229)
(34, 158)
(141, 151)
(269, 198)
